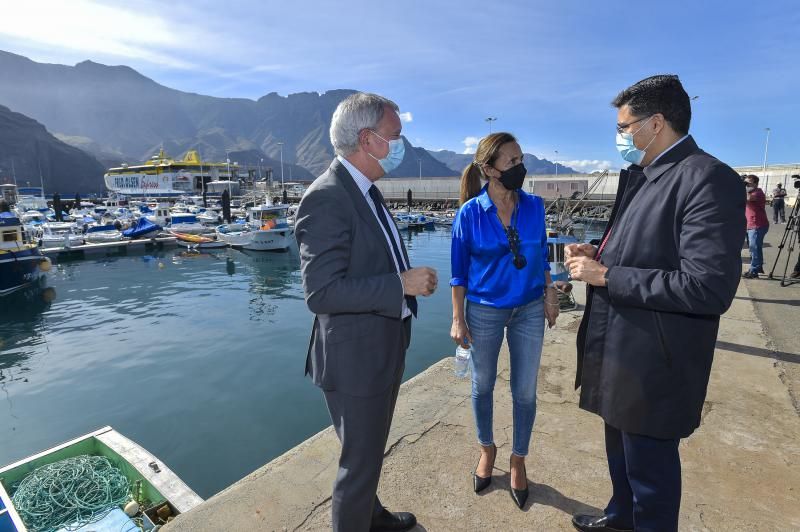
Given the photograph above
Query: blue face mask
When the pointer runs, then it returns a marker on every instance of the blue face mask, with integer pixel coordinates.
(628, 149)
(397, 150)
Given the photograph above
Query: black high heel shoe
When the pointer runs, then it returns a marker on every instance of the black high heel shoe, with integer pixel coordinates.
(481, 483)
(520, 496)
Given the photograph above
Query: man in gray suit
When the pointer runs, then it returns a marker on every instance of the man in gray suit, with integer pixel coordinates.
(360, 285)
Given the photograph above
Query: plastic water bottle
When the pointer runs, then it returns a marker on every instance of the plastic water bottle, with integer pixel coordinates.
(461, 361)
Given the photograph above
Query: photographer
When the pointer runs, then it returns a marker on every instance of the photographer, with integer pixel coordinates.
(757, 225)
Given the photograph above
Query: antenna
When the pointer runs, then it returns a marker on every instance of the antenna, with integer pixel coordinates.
(41, 179)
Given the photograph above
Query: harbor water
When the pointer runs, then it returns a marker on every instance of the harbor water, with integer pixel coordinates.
(197, 357)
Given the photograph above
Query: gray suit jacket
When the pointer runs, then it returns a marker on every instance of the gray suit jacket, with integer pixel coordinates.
(359, 340)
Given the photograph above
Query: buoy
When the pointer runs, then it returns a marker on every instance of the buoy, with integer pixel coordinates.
(161, 265)
(132, 508)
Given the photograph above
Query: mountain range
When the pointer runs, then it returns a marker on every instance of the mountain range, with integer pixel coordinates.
(117, 115)
(458, 161)
(31, 155)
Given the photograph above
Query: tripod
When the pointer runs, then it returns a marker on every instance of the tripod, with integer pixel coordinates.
(790, 236)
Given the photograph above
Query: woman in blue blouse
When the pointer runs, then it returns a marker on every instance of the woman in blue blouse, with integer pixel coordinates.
(499, 263)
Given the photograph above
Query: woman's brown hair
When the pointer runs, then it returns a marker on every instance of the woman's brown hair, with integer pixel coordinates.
(487, 152)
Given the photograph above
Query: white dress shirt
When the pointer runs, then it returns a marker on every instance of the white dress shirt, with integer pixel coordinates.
(363, 183)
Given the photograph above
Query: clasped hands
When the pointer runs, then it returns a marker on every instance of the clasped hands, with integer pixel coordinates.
(582, 266)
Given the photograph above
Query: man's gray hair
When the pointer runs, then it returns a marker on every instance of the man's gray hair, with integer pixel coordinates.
(362, 110)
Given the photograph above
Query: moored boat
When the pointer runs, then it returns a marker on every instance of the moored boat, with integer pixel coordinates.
(98, 234)
(60, 234)
(107, 482)
(21, 262)
(197, 241)
(270, 228)
(144, 228)
(186, 223)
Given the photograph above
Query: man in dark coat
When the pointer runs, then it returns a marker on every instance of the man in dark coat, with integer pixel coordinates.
(666, 268)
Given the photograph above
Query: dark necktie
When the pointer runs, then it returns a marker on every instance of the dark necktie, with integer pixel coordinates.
(380, 208)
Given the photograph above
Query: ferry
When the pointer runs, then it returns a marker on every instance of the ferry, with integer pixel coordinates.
(163, 176)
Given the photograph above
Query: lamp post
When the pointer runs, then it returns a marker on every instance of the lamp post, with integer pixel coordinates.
(420, 168)
(260, 163)
(489, 121)
(280, 144)
(556, 162)
(766, 146)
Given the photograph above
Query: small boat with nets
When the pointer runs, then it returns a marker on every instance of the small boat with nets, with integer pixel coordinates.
(101, 481)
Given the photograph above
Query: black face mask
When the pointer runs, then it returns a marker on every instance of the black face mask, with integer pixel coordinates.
(514, 177)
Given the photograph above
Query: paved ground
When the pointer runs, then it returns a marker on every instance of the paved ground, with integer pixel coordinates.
(741, 469)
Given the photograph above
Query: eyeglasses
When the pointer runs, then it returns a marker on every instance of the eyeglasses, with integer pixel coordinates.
(622, 127)
(513, 242)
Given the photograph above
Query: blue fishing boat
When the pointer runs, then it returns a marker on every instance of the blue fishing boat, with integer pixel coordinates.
(21, 262)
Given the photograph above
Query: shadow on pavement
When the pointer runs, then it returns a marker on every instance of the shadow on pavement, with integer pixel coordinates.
(759, 352)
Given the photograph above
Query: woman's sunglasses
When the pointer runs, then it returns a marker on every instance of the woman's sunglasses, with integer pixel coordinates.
(513, 242)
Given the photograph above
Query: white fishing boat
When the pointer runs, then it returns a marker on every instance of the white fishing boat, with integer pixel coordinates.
(266, 230)
(158, 214)
(121, 486)
(60, 235)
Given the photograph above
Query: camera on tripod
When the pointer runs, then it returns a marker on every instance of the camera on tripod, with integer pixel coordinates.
(796, 181)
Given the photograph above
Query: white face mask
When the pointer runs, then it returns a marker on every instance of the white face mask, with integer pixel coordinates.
(397, 150)
(628, 149)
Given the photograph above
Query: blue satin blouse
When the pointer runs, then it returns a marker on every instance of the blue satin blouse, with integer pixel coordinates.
(481, 259)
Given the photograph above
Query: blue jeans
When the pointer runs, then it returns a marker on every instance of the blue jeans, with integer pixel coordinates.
(525, 331)
(756, 239)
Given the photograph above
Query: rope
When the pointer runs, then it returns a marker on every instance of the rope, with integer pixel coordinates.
(70, 493)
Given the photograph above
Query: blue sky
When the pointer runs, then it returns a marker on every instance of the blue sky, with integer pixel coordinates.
(546, 70)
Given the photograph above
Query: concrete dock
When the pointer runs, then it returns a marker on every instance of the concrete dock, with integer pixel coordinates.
(741, 469)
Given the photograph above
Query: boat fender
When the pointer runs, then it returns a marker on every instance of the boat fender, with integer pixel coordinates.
(45, 265)
(132, 508)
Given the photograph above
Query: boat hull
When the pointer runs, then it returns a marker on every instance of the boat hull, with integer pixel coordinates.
(270, 240)
(19, 269)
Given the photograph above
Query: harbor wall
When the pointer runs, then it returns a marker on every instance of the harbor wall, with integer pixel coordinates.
(551, 186)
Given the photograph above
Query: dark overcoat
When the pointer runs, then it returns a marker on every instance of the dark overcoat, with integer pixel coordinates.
(646, 341)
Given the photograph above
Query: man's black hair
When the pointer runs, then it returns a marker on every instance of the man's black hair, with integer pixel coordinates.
(659, 94)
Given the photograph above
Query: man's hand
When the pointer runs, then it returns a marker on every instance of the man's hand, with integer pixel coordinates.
(588, 270)
(419, 281)
(580, 250)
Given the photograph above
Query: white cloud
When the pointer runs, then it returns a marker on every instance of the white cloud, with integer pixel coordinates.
(406, 117)
(89, 27)
(587, 165)
(470, 144)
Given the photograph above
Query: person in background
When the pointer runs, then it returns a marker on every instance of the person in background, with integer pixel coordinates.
(778, 206)
(499, 266)
(757, 225)
(667, 267)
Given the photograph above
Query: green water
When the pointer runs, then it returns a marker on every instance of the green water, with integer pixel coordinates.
(199, 358)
